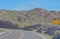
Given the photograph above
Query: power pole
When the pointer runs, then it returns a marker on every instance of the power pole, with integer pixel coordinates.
(42, 22)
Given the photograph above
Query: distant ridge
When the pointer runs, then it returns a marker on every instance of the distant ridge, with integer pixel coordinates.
(30, 17)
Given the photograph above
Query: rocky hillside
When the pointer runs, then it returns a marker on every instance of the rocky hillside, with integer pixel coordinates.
(30, 17)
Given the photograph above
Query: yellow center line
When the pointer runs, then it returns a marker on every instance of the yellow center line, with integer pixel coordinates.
(21, 36)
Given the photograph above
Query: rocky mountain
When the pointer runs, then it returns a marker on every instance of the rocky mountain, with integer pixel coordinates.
(30, 17)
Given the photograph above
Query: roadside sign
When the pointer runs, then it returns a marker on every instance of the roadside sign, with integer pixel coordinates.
(56, 22)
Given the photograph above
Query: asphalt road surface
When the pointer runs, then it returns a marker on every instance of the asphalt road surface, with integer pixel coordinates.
(20, 34)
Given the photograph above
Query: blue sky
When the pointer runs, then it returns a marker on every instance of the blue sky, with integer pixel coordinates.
(29, 4)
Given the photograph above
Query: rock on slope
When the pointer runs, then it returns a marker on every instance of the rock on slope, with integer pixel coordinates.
(30, 17)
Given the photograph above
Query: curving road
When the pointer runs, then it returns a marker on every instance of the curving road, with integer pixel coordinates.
(17, 34)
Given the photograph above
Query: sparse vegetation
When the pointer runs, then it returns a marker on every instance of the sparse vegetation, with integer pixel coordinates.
(2, 30)
(28, 20)
(7, 24)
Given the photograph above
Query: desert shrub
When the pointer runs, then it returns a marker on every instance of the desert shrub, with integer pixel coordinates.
(57, 36)
(51, 30)
(8, 24)
(20, 18)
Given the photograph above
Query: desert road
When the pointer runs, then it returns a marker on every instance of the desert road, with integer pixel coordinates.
(20, 34)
